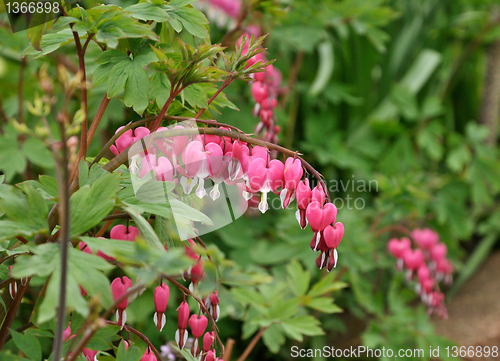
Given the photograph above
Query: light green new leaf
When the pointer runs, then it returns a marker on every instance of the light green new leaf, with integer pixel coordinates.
(273, 338)
(305, 325)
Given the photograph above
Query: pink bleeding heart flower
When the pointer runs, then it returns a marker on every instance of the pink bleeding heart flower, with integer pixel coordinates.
(67, 332)
(212, 305)
(181, 335)
(210, 356)
(196, 275)
(413, 260)
(128, 138)
(292, 174)
(198, 325)
(123, 233)
(217, 168)
(426, 285)
(208, 340)
(438, 251)
(195, 164)
(119, 287)
(265, 178)
(398, 247)
(90, 355)
(425, 238)
(148, 355)
(83, 247)
(333, 235)
(259, 152)
(161, 166)
(269, 103)
(303, 196)
(161, 295)
(319, 218)
(423, 273)
(318, 194)
(259, 91)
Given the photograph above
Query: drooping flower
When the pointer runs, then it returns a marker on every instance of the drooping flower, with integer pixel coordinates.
(292, 173)
(128, 138)
(181, 335)
(161, 167)
(90, 355)
(148, 355)
(397, 249)
(264, 178)
(425, 238)
(123, 233)
(161, 295)
(303, 196)
(119, 287)
(198, 325)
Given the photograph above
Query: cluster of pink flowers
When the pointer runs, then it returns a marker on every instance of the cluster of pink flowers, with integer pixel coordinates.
(265, 89)
(428, 262)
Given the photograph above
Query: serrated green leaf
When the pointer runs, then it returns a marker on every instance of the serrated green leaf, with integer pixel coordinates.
(28, 344)
(193, 20)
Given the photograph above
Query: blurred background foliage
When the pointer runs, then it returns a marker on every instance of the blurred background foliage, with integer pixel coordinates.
(389, 92)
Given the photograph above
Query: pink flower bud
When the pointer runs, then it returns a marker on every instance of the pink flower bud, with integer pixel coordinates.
(208, 339)
(318, 194)
(183, 315)
(161, 295)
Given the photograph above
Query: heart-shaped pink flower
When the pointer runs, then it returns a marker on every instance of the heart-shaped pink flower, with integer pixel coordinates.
(318, 194)
(413, 259)
(333, 234)
(120, 232)
(128, 138)
(259, 91)
(425, 238)
(161, 166)
(438, 252)
(319, 217)
(198, 324)
(398, 247)
(119, 287)
(292, 173)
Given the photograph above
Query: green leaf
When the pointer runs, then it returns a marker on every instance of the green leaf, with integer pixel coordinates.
(193, 20)
(147, 11)
(196, 96)
(145, 228)
(137, 88)
(273, 338)
(35, 33)
(27, 213)
(28, 344)
(305, 325)
(118, 77)
(37, 153)
(324, 304)
(159, 89)
(90, 204)
(298, 278)
(131, 354)
(325, 285)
